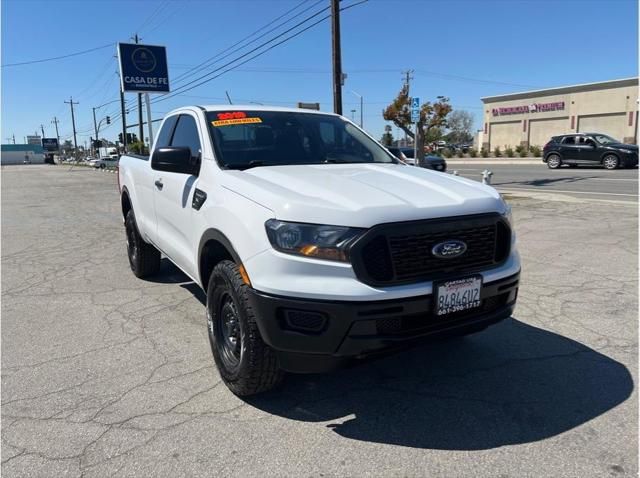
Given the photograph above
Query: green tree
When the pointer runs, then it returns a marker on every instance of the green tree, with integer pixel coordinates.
(387, 139)
(433, 117)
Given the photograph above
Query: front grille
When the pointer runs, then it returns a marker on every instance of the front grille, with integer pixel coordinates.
(402, 253)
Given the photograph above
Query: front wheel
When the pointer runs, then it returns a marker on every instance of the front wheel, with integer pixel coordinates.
(610, 161)
(246, 364)
(554, 161)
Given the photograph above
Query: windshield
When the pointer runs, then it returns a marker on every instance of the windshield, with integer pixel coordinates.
(244, 139)
(604, 139)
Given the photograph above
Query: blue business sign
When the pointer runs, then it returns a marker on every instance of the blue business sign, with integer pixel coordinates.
(50, 144)
(143, 68)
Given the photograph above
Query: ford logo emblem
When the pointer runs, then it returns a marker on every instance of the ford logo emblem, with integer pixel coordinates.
(449, 249)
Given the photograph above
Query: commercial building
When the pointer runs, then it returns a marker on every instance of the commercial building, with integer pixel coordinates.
(21, 153)
(531, 118)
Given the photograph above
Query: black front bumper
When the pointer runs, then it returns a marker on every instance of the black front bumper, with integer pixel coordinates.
(317, 335)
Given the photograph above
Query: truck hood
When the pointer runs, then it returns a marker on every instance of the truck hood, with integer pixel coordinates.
(361, 195)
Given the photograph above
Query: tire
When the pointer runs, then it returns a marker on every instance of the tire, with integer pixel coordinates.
(554, 161)
(102, 166)
(246, 364)
(610, 161)
(144, 259)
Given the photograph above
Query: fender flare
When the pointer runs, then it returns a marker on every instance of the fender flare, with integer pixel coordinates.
(217, 235)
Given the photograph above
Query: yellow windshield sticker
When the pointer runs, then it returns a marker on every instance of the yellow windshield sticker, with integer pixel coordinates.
(229, 122)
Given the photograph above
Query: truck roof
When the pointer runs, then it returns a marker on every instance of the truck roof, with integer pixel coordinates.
(252, 107)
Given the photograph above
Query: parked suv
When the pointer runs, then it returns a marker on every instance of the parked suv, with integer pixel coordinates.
(314, 246)
(589, 149)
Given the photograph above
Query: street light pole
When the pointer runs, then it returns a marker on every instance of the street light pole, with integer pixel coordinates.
(361, 108)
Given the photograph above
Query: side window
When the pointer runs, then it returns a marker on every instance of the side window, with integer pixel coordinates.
(186, 134)
(164, 135)
(569, 140)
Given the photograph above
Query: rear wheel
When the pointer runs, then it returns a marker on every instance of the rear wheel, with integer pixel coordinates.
(144, 259)
(246, 364)
(554, 161)
(610, 161)
(102, 166)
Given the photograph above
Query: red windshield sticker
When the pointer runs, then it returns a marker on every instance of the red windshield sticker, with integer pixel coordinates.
(232, 115)
(229, 122)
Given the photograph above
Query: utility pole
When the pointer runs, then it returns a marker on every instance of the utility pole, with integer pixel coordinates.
(95, 129)
(73, 122)
(56, 121)
(124, 121)
(337, 57)
(140, 125)
(14, 138)
(42, 129)
(408, 76)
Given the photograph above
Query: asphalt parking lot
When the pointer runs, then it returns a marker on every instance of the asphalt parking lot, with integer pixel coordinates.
(107, 375)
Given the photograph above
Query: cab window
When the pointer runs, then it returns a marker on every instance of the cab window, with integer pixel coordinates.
(186, 135)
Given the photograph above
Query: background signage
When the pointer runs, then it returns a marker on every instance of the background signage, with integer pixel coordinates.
(143, 68)
(50, 144)
(515, 110)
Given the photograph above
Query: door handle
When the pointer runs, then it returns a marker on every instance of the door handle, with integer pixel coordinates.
(159, 184)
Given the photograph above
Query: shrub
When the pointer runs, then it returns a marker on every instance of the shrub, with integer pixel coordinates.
(535, 151)
(460, 153)
(484, 153)
(447, 153)
(473, 152)
(508, 152)
(523, 153)
(519, 149)
(496, 152)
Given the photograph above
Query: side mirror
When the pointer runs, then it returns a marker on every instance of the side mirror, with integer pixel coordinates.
(175, 159)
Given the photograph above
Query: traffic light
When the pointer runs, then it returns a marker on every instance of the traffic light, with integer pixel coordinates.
(108, 119)
(120, 137)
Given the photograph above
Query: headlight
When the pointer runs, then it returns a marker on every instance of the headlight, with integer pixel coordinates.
(312, 240)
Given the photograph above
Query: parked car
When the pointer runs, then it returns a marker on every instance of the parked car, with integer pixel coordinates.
(589, 149)
(313, 245)
(436, 163)
(105, 163)
(399, 153)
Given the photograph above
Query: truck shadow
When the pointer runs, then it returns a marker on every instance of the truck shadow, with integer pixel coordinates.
(513, 383)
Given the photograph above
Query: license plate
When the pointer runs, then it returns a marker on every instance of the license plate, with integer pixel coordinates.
(457, 295)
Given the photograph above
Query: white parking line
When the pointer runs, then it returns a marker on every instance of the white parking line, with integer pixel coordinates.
(511, 189)
(615, 179)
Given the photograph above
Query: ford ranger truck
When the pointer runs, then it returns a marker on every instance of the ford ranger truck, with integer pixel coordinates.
(313, 243)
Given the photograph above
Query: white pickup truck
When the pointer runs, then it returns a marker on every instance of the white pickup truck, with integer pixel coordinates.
(313, 243)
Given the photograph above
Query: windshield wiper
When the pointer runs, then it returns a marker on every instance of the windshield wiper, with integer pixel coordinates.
(243, 166)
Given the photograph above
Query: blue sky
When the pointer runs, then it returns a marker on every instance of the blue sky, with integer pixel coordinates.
(461, 49)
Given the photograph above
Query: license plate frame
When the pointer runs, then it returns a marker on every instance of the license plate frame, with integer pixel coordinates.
(448, 289)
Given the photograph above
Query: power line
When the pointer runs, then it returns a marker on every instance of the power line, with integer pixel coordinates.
(187, 86)
(58, 57)
(209, 62)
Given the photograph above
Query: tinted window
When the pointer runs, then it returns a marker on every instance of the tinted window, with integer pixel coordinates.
(569, 140)
(164, 135)
(186, 134)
